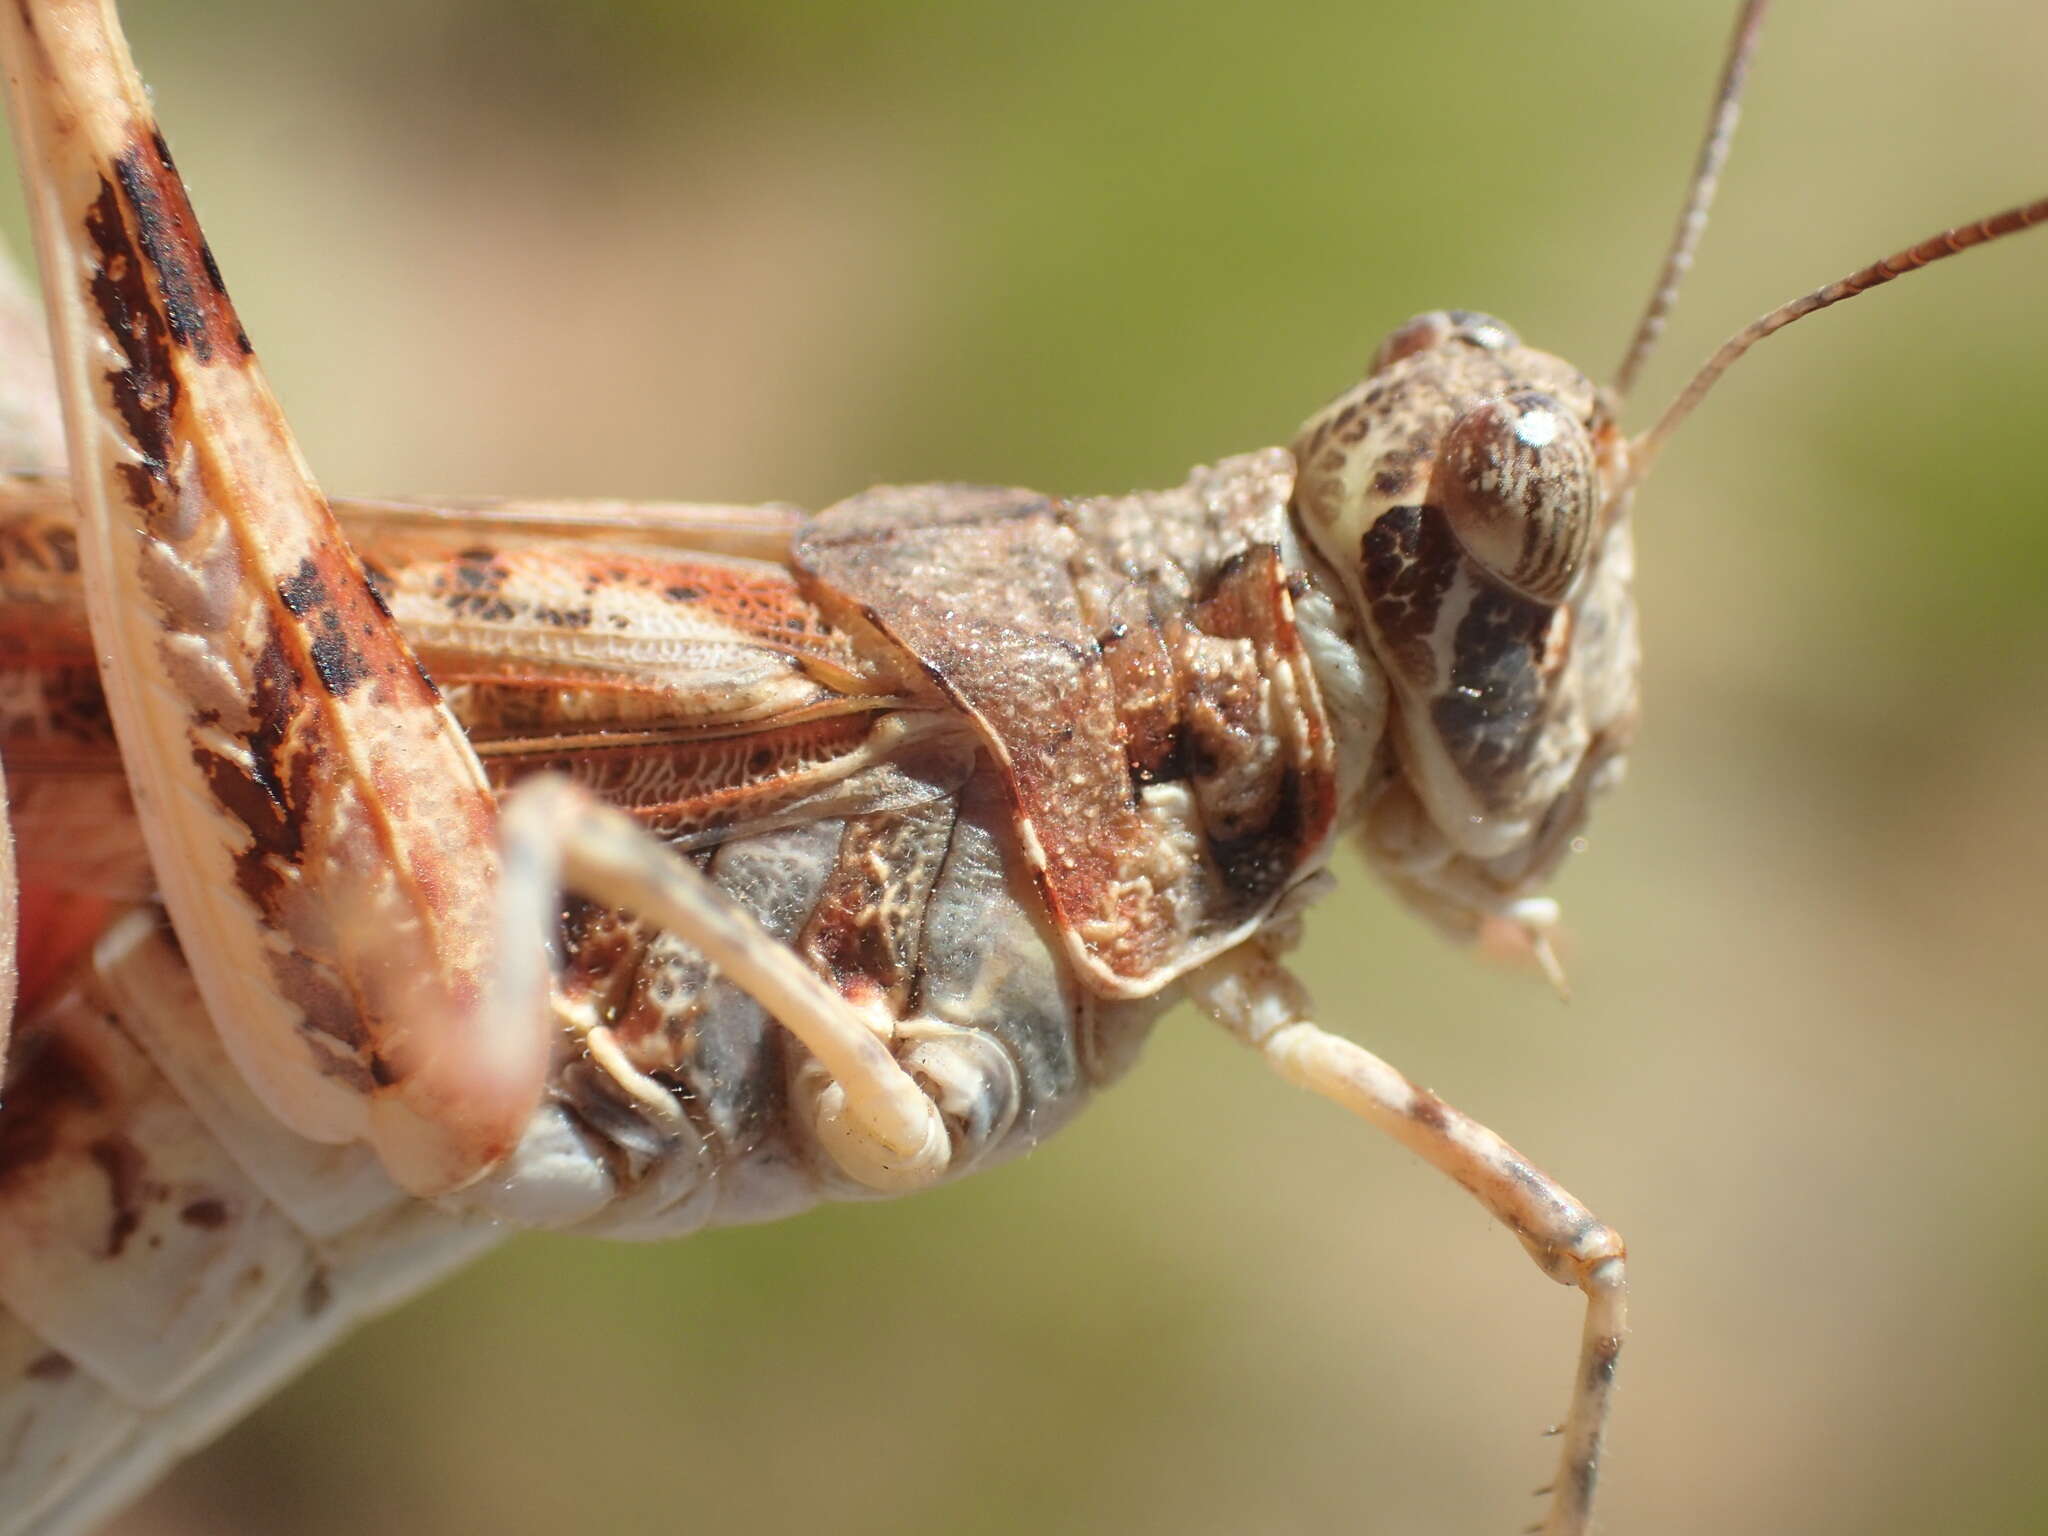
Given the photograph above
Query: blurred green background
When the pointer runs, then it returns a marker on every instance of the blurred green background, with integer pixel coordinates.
(786, 251)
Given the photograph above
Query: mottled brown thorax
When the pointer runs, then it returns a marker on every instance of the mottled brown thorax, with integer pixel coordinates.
(1135, 666)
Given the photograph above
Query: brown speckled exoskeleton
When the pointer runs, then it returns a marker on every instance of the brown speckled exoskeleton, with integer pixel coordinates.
(885, 834)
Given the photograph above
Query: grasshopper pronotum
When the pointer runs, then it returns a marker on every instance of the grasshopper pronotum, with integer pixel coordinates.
(340, 676)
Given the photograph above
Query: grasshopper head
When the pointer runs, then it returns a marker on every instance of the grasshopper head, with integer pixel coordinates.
(1473, 497)
(1469, 494)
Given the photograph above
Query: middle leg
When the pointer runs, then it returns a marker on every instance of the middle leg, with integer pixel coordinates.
(873, 1117)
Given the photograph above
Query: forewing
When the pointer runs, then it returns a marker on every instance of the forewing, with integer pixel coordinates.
(702, 692)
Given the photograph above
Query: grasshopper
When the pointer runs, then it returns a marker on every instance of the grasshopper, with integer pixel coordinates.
(901, 753)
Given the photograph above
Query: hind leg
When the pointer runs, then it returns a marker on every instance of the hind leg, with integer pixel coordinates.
(321, 832)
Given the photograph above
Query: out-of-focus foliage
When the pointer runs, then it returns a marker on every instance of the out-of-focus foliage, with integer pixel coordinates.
(785, 251)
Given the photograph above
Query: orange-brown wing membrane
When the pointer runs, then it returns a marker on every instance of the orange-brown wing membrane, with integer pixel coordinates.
(644, 639)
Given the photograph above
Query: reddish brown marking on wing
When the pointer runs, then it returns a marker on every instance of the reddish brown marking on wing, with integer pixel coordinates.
(694, 787)
(572, 589)
(529, 638)
(765, 605)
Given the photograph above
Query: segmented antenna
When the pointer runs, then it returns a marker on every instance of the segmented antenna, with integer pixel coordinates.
(1644, 448)
(1706, 177)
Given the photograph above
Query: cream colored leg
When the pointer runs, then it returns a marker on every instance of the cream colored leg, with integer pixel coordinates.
(873, 1118)
(1260, 1002)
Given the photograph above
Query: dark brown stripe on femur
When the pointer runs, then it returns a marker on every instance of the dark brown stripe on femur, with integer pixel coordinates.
(145, 391)
(194, 301)
(336, 657)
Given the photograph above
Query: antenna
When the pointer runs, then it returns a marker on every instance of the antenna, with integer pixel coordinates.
(1706, 177)
(1644, 448)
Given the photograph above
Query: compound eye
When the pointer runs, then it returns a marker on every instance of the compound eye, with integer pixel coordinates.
(1440, 326)
(1517, 482)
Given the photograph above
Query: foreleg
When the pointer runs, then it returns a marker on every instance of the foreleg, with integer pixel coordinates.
(1260, 1002)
